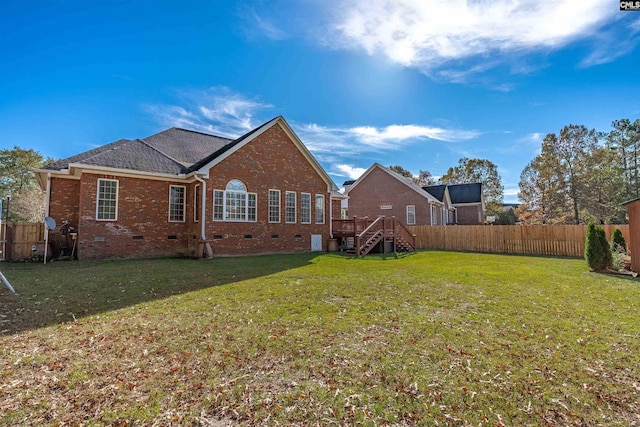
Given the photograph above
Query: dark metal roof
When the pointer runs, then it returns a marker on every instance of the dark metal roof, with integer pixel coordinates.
(465, 193)
(436, 191)
(350, 182)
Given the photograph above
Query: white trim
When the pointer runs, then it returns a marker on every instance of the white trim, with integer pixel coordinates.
(196, 191)
(296, 140)
(301, 208)
(279, 206)
(224, 206)
(129, 173)
(98, 199)
(203, 235)
(415, 187)
(315, 209)
(414, 214)
(434, 218)
(184, 204)
(47, 201)
(467, 204)
(286, 207)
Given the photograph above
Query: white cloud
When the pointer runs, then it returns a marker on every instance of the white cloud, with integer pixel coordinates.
(437, 35)
(256, 25)
(359, 139)
(217, 110)
(222, 112)
(348, 171)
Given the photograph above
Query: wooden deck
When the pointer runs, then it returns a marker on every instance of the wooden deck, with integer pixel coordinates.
(386, 232)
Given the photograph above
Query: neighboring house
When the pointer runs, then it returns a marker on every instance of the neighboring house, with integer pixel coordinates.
(506, 207)
(441, 192)
(467, 200)
(181, 191)
(381, 191)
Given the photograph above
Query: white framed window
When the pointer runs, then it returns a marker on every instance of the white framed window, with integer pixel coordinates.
(319, 208)
(411, 215)
(197, 208)
(107, 200)
(234, 203)
(274, 205)
(176, 203)
(290, 207)
(434, 215)
(305, 208)
(218, 205)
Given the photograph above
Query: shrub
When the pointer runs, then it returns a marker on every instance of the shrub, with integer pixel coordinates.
(596, 249)
(618, 244)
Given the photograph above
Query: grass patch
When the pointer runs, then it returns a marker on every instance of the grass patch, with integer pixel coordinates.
(434, 338)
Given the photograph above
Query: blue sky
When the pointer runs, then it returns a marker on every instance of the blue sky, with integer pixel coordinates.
(419, 83)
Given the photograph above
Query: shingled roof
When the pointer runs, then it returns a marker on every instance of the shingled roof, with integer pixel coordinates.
(465, 193)
(459, 193)
(436, 191)
(173, 151)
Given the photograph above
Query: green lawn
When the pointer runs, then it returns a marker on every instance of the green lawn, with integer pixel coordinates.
(434, 338)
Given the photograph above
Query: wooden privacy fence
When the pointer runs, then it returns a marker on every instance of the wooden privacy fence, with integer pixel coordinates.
(20, 239)
(555, 240)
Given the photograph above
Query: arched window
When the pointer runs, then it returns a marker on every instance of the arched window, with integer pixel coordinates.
(235, 185)
(234, 203)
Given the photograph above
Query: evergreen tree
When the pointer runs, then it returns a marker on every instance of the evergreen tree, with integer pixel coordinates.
(597, 252)
(617, 241)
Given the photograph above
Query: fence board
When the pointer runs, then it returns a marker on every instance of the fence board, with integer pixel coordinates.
(553, 240)
(21, 236)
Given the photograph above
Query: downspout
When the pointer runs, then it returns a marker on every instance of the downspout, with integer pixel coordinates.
(204, 207)
(46, 225)
(330, 216)
(48, 195)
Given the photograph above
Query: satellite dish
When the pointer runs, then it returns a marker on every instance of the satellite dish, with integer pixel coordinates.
(50, 223)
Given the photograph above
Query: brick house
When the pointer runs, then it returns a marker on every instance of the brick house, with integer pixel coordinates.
(381, 191)
(186, 192)
(464, 202)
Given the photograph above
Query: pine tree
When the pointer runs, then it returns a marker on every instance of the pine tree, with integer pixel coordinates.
(597, 252)
(617, 241)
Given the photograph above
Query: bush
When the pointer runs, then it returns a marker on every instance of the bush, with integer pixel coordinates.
(618, 244)
(596, 250)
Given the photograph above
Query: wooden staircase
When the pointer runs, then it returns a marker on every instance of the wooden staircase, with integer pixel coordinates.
(388, 232)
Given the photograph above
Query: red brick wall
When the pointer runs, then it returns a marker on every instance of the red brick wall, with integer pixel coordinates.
(64, 201)
(336, 208)
(378, 189)
(143, 212)
(469, 215)
(271, 161)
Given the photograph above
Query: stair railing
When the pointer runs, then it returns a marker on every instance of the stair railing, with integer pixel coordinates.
(374, 225)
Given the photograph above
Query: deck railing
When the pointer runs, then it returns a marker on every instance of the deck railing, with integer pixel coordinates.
(381, 227)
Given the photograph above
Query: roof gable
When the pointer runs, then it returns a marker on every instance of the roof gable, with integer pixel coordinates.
(412, 185)
(186, 147)
(176, 151)
(207, 163)
(465, 193)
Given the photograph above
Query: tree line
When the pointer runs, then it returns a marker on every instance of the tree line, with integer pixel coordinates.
(22, 198)
(581, 175)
